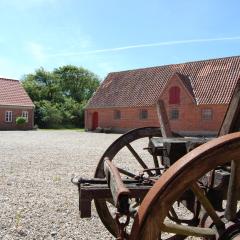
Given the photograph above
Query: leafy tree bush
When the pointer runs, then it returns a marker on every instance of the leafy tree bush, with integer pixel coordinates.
(20, 120)
(77, 82)
(51, 116)
(60, 95)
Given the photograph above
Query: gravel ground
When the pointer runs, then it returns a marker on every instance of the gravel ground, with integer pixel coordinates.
(37, 199)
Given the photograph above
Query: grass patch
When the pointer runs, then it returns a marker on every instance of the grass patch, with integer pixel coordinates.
(18, 218)
(56, 178)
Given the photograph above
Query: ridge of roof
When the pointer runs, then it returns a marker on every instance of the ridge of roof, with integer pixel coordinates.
(174, 64)
(12, 93)
(9, 79)
(209, 81)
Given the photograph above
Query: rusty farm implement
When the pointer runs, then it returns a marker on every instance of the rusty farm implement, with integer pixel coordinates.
(187, 187)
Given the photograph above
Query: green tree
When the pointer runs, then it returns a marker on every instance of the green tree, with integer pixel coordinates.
(50, 114)
(77, 82)
(42, 85)
(60, 95)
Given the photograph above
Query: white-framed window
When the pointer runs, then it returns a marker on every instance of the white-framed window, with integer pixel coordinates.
(8, 116)
(207, 114)
(25, 115)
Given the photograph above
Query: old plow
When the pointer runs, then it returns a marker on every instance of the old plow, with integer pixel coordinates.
(188, 187)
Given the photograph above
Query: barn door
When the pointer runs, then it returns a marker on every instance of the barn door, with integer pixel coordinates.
(94, 120)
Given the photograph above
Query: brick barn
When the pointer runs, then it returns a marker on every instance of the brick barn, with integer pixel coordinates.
(195, 94)
(14, 102)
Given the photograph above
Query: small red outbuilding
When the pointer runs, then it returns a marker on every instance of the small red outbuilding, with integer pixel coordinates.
(15, 102)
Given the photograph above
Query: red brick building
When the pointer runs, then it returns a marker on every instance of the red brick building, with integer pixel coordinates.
(196, 96)
(14, 102)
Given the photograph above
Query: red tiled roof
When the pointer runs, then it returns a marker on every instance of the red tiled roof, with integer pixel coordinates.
(209, 81)
(12, 93)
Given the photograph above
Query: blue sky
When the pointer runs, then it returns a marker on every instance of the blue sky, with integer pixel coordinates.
(114, 35)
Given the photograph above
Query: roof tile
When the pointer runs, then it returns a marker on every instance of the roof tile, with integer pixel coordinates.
(209, 81)
(12, 93)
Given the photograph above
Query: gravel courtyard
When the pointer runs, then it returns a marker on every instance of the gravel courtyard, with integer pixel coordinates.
(37, 199)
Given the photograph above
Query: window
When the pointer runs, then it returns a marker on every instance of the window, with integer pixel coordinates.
(174, 95)
(117, 114)
(207, 114)
(143, 114)
(25, 115)
(8, 116)
(174, 114)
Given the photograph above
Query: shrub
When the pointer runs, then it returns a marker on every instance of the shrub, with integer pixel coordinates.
(20, 120)
(50, 114)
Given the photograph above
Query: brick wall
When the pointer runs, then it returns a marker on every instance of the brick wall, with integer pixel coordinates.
(190, 121)
(16, 112)
(190, 114)
(129, 118)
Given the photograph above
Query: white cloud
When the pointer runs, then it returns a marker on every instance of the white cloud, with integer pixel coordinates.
(146, 45)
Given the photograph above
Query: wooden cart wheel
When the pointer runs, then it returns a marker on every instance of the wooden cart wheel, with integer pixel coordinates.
(125, 143)
(151, 220)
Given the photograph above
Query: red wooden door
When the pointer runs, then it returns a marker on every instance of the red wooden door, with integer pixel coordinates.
(94, 120)
(174, 95)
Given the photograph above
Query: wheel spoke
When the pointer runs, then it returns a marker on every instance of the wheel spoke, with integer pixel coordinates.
(233, 191)
(109, 200)
(138, 158)
(174, 214)
(127, 173)
(207, 205)
(187, 230)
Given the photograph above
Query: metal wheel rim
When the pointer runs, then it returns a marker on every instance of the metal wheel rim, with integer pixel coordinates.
(160, 198)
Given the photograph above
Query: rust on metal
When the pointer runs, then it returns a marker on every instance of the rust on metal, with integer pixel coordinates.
(191, 167)
(119, 192)
(90, 189)
(199, 176)
(128, 138)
